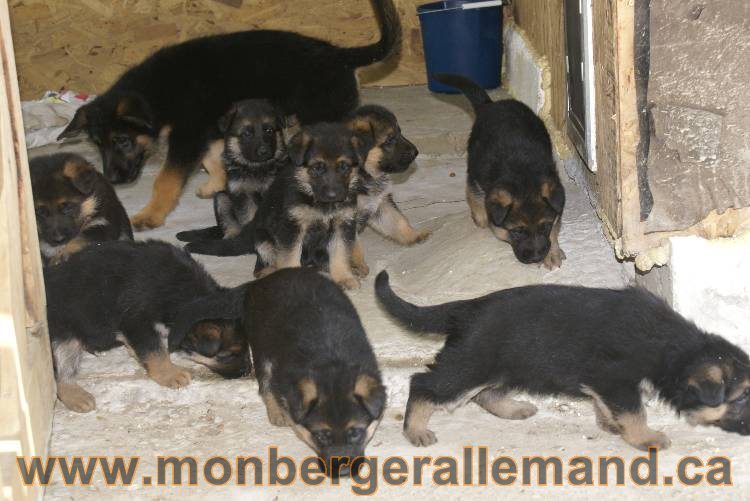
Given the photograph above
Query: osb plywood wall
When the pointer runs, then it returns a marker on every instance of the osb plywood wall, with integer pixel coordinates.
(86, 44)
(543, 24)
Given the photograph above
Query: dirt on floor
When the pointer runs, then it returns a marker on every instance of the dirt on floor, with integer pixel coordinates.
(215, 417)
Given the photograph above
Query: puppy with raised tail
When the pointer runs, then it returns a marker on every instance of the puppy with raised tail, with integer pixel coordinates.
(584, 342)
(512, 185)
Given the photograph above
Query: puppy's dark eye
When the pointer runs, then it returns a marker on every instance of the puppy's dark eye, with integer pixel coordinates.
(519, 232)
(247, 132)
(67, 208)
(122, 142)
(323, 437)
(343, 167)
(354, 435)
(318, 169)
(390, 141)
(42, 211)
(268, 130)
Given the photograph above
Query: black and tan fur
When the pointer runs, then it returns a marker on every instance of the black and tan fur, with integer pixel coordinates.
(254, 150)
(183, 89)
(150, 296)
(598, 343)
(75, 206)
(316, 370)
(512, 185)
(388, 152)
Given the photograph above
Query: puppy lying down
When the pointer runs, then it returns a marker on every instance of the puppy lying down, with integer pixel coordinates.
(551, 339)
(121, 292)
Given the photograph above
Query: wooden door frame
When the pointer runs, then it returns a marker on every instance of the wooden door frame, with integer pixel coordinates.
(27, 386)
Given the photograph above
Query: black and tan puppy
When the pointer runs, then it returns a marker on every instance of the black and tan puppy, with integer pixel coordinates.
(551, 339)
(315, 367)
(512, 184)
(114, 293)
(185, 88)
(253, 151)
(388, 152)
(74, 206)
(311, 204)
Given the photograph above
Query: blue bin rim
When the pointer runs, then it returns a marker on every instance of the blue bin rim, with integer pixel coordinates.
(448, 5)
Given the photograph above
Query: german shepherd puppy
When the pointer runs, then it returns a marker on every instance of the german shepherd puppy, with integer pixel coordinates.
(315, 367)
(254, 150)
(75, 205)
(552, 339)
(388, 152)
(512, 184)
(114, 293)
(304, 76)
(311, 204)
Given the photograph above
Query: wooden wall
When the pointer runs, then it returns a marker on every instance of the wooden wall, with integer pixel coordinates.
(543, 23)
(86, 44)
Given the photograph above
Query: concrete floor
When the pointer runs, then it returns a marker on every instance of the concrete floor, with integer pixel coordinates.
(136, 417)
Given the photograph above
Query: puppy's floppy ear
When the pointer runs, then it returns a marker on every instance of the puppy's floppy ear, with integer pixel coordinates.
(498, 204)
(708, 384)
(299, 146)
(81, 175)
(370, 394)
(304, 398)
(135, 110)
(227, 118)
(77, 124)
(554, 194)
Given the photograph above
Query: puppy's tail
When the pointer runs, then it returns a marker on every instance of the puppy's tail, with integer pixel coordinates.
(244, 243)
(476, 95)
(225, 304)
(390, 37)
(439, 318)
(209, 233)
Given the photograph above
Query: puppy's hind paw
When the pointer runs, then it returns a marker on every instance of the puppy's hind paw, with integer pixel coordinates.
(421, 438)
(653, 439)
(173, 377)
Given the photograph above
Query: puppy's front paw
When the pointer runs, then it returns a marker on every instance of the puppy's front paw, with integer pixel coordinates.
(208, 189)
(554, 259)
(361, 269)
(146, 220)
(421, 438)
(348, 283)
(76, 398)
(172, 377)
(652, 439)
(276, 418)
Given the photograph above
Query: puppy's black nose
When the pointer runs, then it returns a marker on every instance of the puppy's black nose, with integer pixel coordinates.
(57, 238)
(263, 150)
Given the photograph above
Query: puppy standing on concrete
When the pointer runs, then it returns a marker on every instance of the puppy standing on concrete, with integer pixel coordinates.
(551, 339)
(253, 152)
(116, 293)
(75, 205)
(512, 184)
(316, 370)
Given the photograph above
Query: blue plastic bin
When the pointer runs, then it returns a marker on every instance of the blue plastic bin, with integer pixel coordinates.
(462, 38)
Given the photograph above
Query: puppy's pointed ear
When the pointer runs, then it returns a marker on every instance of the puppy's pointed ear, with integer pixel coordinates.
(77, 124)
(225, 122)
(81, 175)
(305, 397)
(299, 146)
(554, 194)
(135, 111)
(498, 204)
(370, 394)
(708, 384)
